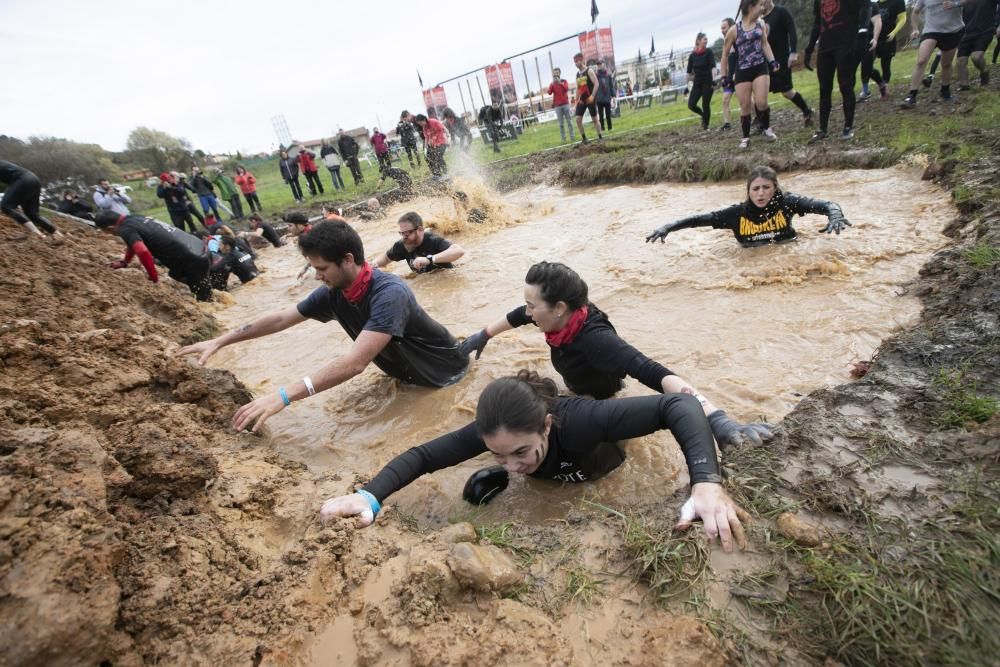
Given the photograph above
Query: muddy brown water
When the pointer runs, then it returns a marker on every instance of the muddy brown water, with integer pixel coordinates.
(754, 329)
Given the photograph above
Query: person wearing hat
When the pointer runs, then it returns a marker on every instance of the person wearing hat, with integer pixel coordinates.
(377, 310)
(423, 251)
(177, 202)
(185, 256)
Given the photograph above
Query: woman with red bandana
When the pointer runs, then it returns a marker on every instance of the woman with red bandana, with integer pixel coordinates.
(377, 310)
(587, 351)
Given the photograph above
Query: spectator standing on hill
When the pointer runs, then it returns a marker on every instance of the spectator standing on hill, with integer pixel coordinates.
(605, 91)
(206, 192)
(559, 90)
(457, 128)
(436, 139)
(587, 87)
(701, 80)
(349, 152)
(491, 116)
(185, 255)
(290, 175)
(176, 201)
(783, 38)
(108, 198)
(307, 162)
(381, 150)
(727, 85)
(229, 192)
(248, 186)
(408, 137)
(71, 205)
(333, 163)
(181, 181)
(24, 190)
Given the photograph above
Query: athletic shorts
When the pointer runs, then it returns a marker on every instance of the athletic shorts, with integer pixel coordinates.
(748, 75)
(972, 43)
(583, 107)
(946, 41)
(781, 81)
(886, 49)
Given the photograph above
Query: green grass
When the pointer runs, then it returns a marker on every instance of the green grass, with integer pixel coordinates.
(982, 256)
(962, 405)
(503, 535)
(581, 586)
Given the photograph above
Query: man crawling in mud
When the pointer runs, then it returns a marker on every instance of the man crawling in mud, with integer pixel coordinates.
(531, 430)
(423, 251)
(377, 310)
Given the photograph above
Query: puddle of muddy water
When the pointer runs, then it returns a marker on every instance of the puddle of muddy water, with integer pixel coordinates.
(753, 329)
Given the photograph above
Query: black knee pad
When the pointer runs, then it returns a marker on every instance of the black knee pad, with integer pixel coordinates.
(484, 485)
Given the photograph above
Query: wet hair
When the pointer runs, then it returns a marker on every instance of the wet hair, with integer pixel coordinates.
(518, 404)
(762, 171)
(106, 219)
(255, 216)
(413, 218)
(404, 114)
(295, 218)
(420, 117)
(557, 282)
(333, 240)
(228, 240)
(700, 37)
(226, 231)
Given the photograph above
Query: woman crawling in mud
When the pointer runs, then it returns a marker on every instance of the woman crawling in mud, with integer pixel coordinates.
(531, 430)
(587, 351)
(765, 217)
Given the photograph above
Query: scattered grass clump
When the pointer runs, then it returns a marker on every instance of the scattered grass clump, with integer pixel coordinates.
(982, 256)
(962, 405)
(581, 586)
(503, 535)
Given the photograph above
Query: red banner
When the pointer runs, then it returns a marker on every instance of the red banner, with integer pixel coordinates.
(598, 45)
(500, 81)
(435, 98)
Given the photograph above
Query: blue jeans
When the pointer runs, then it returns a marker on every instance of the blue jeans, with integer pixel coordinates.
(338, 182)
(209, 202)
(564, 111)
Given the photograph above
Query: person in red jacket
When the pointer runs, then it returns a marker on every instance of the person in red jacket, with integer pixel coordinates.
(436, 140)
(559, 90)
(307, 163)
(248, 186)
(381, 150)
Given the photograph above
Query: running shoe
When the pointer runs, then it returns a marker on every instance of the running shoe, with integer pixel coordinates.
(883, 91)
(725, 126)
(807, 119)
(770, 135)
(908, 102)
(984, 78)
(865, 96)
(848, 133)
(819, 135)
(745, 143)
(928, 80)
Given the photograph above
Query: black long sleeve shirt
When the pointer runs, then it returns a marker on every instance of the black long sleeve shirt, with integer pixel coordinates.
(781, 34)
(837, 23)
(579, 441)
(597, 360)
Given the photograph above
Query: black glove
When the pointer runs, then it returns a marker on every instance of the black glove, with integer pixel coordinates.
(476, 341)
(686, 90)
(775, 65)
(660, 233)
(726, 81)
(807, 59)
(484, 485)
(836, 223)
(728, 432)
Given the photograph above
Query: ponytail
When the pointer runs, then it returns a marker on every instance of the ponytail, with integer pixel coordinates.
(516, 404)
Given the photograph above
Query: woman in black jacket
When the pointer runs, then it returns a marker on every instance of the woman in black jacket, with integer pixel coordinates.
(290, 175)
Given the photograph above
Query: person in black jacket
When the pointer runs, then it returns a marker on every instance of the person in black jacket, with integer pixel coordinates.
(349, 151)
(71, 205)
(491, 118)
(177, 202)
(701, 80)
(24, 190)
(587, 351)
(407, 134)
(532, 431)
(232, 259)
(206, 193)
(765, 217)
(289, 168)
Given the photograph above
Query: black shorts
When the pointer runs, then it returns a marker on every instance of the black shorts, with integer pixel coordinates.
(781, 81)
(975, 42)
(582, 107)
(748, 75)
(946, 41)
(886, 49)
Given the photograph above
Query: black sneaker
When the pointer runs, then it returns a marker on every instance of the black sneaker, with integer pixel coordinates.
(947, 97)
(864, 96)
(928, 80)
(848, 133)
(725, 126)
(819, 135)
(908, 102)
(984, 78)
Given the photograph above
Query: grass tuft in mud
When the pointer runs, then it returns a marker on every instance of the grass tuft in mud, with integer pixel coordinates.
(962, 405)
(983, 256)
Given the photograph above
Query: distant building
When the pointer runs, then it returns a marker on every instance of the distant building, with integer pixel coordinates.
(136, 174)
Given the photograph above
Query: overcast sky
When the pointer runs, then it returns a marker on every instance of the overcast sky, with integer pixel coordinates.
(215, 73)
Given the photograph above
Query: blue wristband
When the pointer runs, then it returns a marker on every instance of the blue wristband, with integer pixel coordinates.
(284, 396)
(372, 500)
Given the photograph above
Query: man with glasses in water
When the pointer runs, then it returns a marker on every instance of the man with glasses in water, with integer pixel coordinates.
(423, 251)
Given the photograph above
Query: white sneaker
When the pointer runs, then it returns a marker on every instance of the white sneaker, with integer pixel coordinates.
(745, 143)
(770, 135)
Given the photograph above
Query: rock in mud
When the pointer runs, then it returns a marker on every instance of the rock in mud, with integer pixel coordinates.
(484, 568)
(458, 532)
(799, 530)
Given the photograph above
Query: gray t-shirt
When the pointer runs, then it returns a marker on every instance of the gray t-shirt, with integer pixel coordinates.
(937, 18)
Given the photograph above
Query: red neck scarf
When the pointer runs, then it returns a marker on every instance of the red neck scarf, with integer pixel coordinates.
(700, 51)
(360, 286)
(566, 335)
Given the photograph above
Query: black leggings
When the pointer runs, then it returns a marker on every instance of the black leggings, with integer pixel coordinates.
(701, 92)
(604, 113)
(312, 180)
(842, 63)
(293, 183)
(24, 192)
(180, 218)
(253, 201)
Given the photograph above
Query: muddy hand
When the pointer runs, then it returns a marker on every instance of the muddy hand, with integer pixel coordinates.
(835, 224)
(204, 350)
(476, 342)
(257, 412)
(346, 506)
(718, 513)
(729, 432)
(660, 233)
